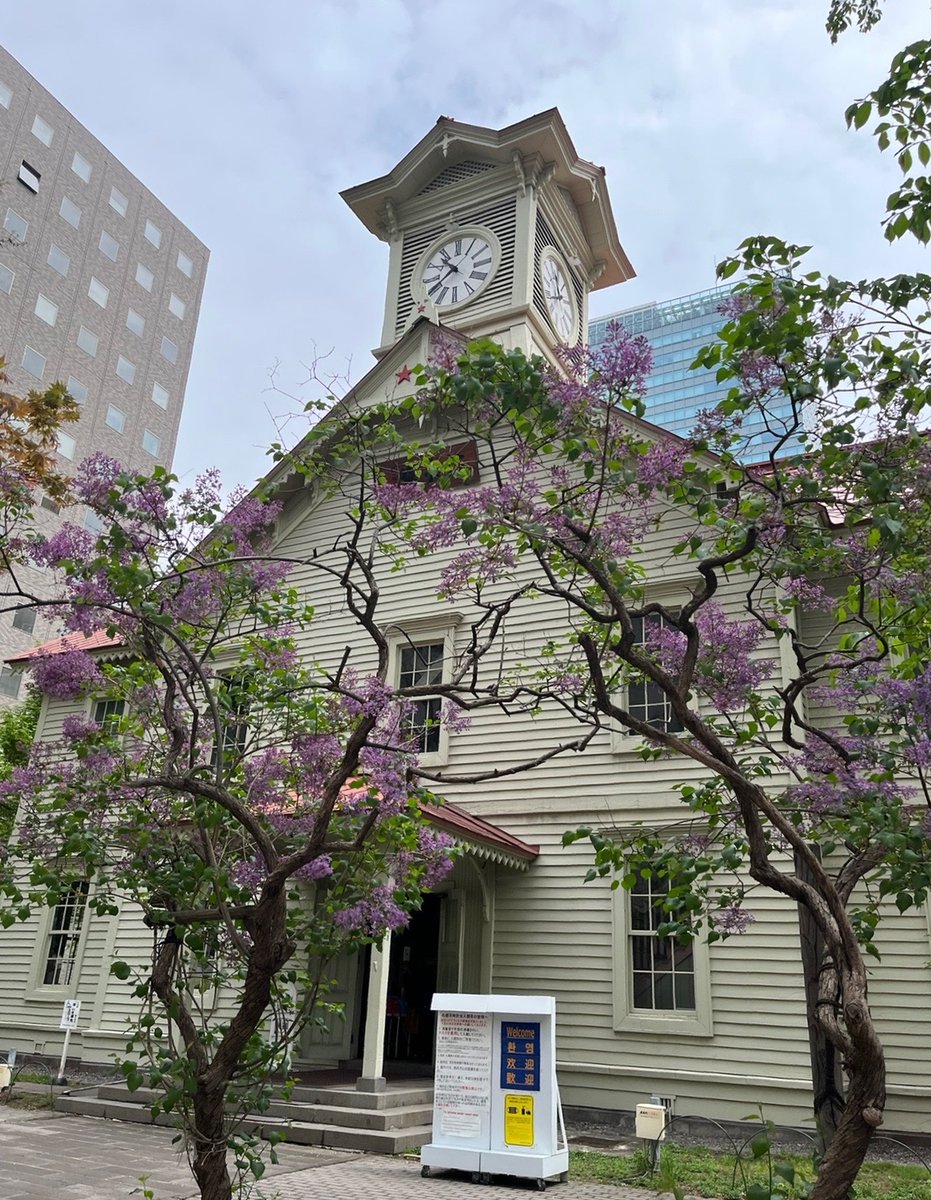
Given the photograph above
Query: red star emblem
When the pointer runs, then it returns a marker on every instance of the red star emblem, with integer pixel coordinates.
(404, 375)
(421, 308)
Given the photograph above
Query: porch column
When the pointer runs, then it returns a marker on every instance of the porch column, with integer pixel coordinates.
(372, 1078)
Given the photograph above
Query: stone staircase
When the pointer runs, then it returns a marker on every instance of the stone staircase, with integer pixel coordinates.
(337, 1117)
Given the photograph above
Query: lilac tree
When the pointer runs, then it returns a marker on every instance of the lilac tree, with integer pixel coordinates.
(790, 664)
(256, 807)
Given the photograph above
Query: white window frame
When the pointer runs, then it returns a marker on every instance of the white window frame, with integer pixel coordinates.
(419, 631)
(46, 310)
(187, 270)
(176, 306)
(126, 369)
(67, 202)
(118, 202)
(173, 356)
(153, 234)
(67, 445)
(32, 350)
(166, 394)
(135, 322)
(147, 433)
(80, 395)
(626, 741)
(142, 267)
(18, 238)
(697, 1022)
(108, 237)
(29, 177)
(90, 333)
(42, 131)
(81, 167)
(6, 95)
(96, 289)
(4, 272)
(39, 989)
(53, 249)
(119, 428)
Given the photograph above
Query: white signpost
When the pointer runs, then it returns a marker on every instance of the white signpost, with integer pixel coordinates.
(496, 1101)
(70, 1011)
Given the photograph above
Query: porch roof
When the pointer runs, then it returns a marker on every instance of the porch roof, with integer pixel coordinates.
(480, 837)
(100, 640)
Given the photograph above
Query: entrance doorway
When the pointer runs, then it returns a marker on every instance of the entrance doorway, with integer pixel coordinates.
(412, 979)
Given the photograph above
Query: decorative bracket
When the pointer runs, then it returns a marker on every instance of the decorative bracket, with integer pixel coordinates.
(518, 161)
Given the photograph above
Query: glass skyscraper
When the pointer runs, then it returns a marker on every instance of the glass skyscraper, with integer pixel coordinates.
(677, 330)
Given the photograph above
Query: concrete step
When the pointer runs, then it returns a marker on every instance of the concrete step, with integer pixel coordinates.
(332, 1137)
(394, 1096)
(398, 1118)
(326, 1126)
(114, 1110)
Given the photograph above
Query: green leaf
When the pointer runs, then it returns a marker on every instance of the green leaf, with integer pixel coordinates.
(120, 970)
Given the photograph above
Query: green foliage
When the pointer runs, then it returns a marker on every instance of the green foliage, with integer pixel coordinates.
(17, 729)
(702, 1172)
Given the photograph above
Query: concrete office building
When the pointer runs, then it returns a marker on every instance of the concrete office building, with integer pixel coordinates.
(675, 394)
(100, 287)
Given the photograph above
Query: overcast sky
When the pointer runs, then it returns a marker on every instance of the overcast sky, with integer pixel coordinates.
(714, 119)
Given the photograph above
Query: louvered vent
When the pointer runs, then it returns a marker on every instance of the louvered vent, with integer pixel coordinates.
(455, 174)
(543, 237)
(500, 219)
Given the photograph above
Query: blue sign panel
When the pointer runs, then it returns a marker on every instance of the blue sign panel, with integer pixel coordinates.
(520, 1055)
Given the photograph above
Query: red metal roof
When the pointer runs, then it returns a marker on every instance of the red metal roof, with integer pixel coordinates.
(459, 823)
(68, 641)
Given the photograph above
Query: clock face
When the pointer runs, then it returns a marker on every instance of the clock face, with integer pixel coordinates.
(558, 298)
(457, 270)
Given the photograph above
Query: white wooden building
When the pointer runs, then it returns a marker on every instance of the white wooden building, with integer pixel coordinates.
(514, 916)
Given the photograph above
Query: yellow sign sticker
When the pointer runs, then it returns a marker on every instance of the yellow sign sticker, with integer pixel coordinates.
(518, 1120)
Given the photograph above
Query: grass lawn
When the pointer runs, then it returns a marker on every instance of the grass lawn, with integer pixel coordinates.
(711, 1173)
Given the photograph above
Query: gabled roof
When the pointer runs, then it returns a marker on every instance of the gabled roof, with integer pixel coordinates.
(481, 837)
(544, 134)
(68, 641)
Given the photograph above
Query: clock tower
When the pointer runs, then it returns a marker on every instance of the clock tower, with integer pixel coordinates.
(495, 233)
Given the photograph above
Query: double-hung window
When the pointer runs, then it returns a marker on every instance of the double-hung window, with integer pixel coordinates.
(422, 653)
(64, 936)
(660, 984)
(645, 699)
(420, 664)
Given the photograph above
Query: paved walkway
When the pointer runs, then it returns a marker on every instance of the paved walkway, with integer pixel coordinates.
(51, 1156)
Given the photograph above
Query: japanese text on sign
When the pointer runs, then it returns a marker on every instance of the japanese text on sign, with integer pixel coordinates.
(70, 1011)
(520, 1055)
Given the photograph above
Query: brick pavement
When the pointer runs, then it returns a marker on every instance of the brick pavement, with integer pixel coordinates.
(52, 1156)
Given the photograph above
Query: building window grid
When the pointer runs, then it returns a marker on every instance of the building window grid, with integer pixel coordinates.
(135, 322)
(153, 234)
(421, 665)
(88, 341)
(151, 443)
(10, 681)
(116, 418)
(662, 972)
(126, 370)
(15, 225)
(109, 246)
(34, 362)
(42, 130)
(76, 390)
(64, 935)
(168, 350)
(81, 167)
(24, 619)
(6, 95)
(58, 260)
(46, 310)
(66, 445)
(160, 395)
(108, 714)
(69, 211)
(144, 277)
(29, 177)
(118, 201)
(6, 279)
(98, 292)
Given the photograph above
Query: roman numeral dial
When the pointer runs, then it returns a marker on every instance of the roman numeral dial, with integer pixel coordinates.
(557, 292)
(458, 269)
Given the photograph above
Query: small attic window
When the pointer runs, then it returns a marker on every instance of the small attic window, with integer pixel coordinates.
(455, 173)
(399, 470)
(29, 176)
